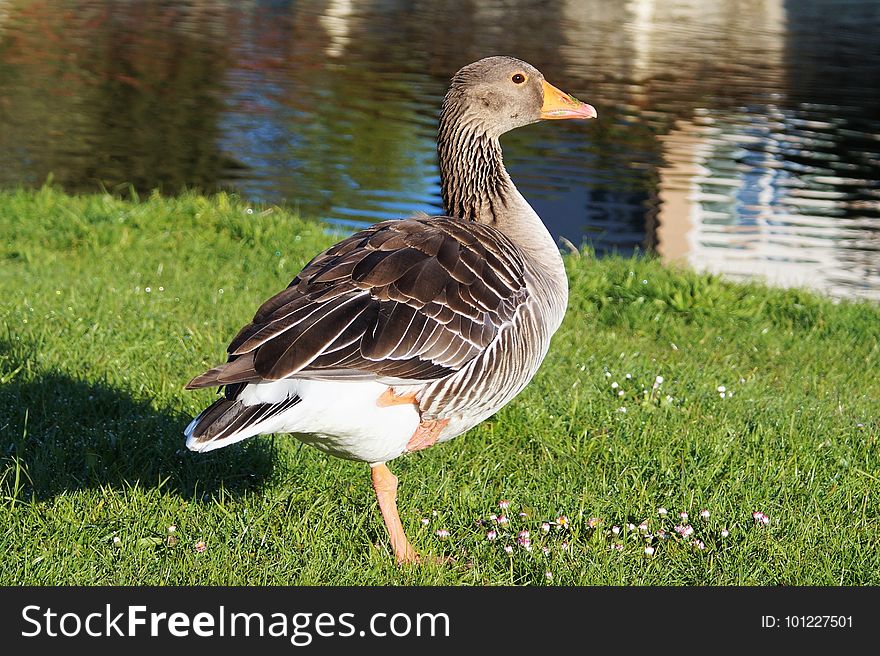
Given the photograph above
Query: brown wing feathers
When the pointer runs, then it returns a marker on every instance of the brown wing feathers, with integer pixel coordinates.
(414, 299)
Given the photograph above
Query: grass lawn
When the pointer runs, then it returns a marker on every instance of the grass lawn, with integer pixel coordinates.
(108, 307)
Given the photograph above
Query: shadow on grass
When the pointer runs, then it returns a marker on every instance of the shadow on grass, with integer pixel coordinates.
(70, 435)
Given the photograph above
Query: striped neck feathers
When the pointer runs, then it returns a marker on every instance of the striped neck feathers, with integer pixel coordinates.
(473, 180)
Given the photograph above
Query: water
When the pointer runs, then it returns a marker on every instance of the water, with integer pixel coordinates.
(739, 136)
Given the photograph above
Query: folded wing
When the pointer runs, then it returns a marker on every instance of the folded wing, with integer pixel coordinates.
(409, 300)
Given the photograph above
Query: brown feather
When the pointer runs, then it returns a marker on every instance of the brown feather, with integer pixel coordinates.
(414, 299)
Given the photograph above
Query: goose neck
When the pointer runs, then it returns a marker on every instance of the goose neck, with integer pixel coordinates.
(473, 180)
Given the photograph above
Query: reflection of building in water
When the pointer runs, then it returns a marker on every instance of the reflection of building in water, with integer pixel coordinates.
(335, 21)
(733, 203)
(783, 191)
(646, 62)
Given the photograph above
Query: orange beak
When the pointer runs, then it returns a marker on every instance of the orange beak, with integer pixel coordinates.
(558, 104)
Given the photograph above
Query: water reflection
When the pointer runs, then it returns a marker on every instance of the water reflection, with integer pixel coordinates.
(740, 136)
(110, 93)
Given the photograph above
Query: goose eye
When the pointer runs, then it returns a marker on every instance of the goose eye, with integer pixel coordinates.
(519, 78)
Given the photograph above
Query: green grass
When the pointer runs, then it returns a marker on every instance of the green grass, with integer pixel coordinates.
(109, 307)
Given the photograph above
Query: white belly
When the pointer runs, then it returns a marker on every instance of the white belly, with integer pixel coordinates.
(340, 418)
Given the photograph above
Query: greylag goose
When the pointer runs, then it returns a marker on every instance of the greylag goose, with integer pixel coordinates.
(412, 331)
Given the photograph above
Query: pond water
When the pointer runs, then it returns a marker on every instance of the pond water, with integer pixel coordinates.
(739, 136)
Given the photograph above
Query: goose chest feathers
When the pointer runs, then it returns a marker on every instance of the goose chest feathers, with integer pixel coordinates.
(412, 331)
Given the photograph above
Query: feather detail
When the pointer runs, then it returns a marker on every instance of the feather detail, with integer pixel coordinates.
(415, 300)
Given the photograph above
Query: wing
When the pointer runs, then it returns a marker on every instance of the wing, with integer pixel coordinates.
(408, 300)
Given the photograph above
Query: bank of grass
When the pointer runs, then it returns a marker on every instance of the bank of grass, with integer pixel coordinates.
(109, 307)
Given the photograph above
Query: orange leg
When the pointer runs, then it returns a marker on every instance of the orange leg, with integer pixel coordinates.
(385, 485)
(388, 397)
(426, 434)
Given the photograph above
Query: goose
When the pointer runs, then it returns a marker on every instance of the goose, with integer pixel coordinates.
(412, 331)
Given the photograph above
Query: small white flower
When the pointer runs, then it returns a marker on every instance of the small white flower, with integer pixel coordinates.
(662, 511)
(607, 374)
(649, 550)
(659, 380)
(549, 575)
(621, 409)
(704, 514)
(620, 393)
(545, 527)
(442, 533)
(722, 388)
(683, 515)
(508, 549)
(615, 530)
(425, 521)
(614, 385)
(631, 527)
(491, 535)
(724, 533)
(643, 527)
(629, 376)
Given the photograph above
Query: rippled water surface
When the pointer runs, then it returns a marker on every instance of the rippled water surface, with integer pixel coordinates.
(740, 136)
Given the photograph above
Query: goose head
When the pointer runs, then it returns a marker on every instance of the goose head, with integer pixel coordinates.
(498, 94)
